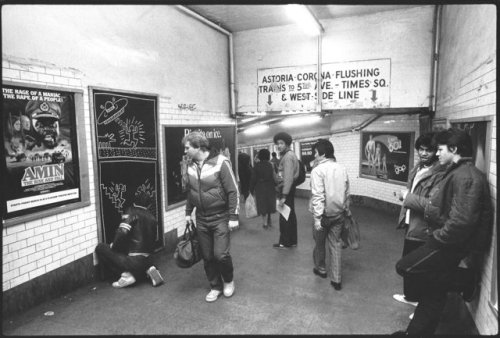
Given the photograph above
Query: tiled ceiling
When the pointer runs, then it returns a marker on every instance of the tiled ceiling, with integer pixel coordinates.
(237, 18)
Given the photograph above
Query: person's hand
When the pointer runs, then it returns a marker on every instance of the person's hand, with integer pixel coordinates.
(233, 225)
(317, 224)
(402, 194)
(282, 202)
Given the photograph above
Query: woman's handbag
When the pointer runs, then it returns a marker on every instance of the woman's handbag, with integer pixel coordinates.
(350, 233)
(188, 251)
(250, 207)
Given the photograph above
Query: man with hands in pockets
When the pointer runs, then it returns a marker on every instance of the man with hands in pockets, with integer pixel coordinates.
(213, 190)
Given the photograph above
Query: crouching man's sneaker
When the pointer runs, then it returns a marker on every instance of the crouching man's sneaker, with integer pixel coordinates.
(213, 295)
(229, 289)
(154, 275)
(125, 280)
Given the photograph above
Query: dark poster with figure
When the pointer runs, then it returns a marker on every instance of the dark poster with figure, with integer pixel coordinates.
(125, 127)
(221, 138)
(119, 182)
(386, 156)
(40, 149)
(306, 154)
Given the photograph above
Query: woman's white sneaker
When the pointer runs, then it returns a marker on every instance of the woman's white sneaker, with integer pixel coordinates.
(213, 295)
(229, 289)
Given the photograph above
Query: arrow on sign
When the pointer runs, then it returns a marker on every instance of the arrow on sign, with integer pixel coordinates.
(374, 95)
(269, 101)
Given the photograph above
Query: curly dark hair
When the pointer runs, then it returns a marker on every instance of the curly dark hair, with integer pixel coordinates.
(285, 137)
(264, 155)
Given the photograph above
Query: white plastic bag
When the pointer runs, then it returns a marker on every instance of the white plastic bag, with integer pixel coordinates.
(250, 207)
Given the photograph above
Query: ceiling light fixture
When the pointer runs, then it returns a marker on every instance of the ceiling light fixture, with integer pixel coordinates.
(300, 121)
(305, 19)
(258, 129)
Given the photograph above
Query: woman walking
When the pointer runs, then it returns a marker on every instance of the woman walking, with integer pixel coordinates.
(262, 186)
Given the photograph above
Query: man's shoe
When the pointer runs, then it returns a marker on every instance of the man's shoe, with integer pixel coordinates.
(402, 299)
(229, 289)
(336, 286)
(154, 275)
(124, 281)
(279, 246)
(213, 295)
(319, 273)
(411, 316)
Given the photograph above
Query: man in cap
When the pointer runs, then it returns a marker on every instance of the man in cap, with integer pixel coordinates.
(45, 122)
(130, 252)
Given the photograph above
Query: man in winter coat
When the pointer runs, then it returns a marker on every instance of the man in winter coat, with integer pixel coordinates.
(421, 179)
(459, 212)
(130, 252)
(213, 190)
(288, 172)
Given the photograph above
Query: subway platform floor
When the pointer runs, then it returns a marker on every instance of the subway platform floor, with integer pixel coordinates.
(276, 292)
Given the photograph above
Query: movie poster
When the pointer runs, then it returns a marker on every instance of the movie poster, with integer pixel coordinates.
(40, 148)
(221, 139)
(386, 156)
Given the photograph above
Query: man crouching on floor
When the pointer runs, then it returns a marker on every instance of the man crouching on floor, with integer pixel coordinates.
(130, 252)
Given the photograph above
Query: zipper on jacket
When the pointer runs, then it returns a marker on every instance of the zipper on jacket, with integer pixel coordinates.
(199, 185)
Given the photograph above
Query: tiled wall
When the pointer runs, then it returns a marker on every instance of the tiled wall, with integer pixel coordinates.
(467, 89)
(34, 248)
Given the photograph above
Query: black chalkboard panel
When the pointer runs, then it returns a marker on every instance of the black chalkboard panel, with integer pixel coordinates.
(126, 135)
(221, 138)
(119, 181)
(125, 125)
(306, 153)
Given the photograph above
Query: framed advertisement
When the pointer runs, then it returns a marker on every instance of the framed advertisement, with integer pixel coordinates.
(306, 153)
(222, 139)
(386, 156)
(42, 152)
(126, 138)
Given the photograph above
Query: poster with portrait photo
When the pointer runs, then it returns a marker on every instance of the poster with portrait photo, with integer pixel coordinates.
(222, 139)
(40, 149)
(386, 156)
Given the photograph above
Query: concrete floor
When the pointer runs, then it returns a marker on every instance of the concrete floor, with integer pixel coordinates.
(276, 292)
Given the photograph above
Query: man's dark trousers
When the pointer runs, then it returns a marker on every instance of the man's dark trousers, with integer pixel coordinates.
(214, 236)
(288, 229)
(433, 268)
(113, 263)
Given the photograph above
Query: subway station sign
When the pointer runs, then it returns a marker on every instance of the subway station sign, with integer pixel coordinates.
(344, 85)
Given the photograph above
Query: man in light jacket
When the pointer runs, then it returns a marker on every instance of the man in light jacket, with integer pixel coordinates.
(288, 172)
(213, 190)
(459, 212)
(329, 206)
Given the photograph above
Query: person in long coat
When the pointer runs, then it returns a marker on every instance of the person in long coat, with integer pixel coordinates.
(262, 186)
(244, 173)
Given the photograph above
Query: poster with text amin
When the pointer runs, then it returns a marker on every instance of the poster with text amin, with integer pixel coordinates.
(221, 139)
(40, 148)
(386, 156)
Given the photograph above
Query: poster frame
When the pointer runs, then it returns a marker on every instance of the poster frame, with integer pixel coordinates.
(165, 127)
(93, 136)
(411, 161)
(81, 153)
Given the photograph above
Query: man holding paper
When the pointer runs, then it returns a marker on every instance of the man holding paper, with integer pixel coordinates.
(329, 206)
(288, 172)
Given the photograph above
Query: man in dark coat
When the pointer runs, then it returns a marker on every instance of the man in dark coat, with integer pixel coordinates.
(459, 212)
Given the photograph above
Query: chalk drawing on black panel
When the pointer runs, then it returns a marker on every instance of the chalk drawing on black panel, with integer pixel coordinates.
(115, 194)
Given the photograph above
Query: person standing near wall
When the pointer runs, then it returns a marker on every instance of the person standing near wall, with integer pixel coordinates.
(329, 206)
(275, 161)
(288, 172)
(421, 179)
(213, 190)
(130, 252)
(244, 173)
(262, 185)
(460, 214)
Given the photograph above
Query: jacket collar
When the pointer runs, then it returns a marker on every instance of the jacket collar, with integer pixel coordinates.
(461, 161)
